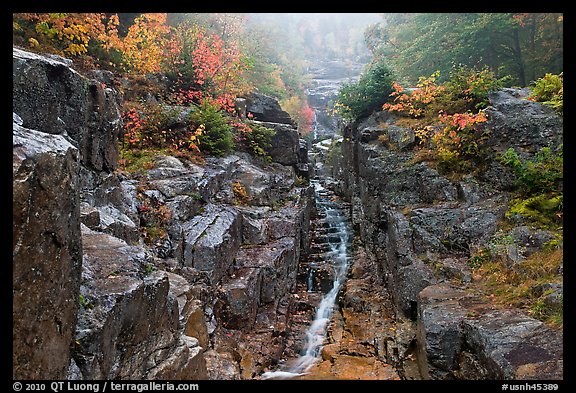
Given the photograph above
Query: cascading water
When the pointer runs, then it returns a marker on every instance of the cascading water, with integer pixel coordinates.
(338, 258)
(315, 127)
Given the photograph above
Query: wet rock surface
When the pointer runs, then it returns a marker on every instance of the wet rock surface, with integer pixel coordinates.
(517, 122)
(118, 294)
(231, 286)
(47, 252)
(52, 97)
(361, 334)
(420, 228)
(463, 336)
(267, 109)
(208, 300)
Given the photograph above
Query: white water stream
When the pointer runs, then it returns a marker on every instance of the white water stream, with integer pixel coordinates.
(338, 256)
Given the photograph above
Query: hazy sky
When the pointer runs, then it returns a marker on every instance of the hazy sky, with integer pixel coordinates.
(320, 34)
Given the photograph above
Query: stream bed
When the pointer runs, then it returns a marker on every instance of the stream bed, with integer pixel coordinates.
(332, 242)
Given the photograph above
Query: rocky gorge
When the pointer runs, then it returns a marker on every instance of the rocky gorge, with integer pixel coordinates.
(228, 293)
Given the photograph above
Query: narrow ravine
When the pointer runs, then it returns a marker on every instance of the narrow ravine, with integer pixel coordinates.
(266, 197)
(336, 332)
(336, 239)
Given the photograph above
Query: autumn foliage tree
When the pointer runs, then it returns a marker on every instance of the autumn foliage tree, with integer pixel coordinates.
(201, 55)
(417, 101)
(300, 111)
(143, 46)
(203, 67)
(64, 33)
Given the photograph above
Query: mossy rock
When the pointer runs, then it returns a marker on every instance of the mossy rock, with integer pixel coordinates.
(539, 210)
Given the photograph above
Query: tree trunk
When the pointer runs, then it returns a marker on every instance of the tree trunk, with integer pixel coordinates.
(519, 61)
(533, 28)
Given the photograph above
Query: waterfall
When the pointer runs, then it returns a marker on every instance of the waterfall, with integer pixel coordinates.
(338, 258)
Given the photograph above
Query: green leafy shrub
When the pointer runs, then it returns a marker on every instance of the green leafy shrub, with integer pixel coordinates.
(540, 188)
(216, 138)
(543, 173)
(468, 89)
(255, 139)
(85, 302)
(137, 161)
(541, 210)
(373, 89)
(550, 91)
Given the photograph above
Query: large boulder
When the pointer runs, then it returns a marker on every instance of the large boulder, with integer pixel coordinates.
(266, 108)
(461, 336)
(285, 144)
(129, 321)
(186, 362)
(518, 122)
(109, 204)
(46, 252)
(52, 97)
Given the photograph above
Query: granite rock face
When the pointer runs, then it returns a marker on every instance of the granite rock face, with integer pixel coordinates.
(463, 337)
(47, 252)
(420, 228)
(518, 122)
(52, 97)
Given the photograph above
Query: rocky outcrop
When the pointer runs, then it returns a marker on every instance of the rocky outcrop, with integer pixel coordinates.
(286, 144)
(267, 109)
(287, 148)
(182, 273)
(521, 123)
(47, 252)
(129, 320)
(52, 97)
(420, 228)
(462, 336)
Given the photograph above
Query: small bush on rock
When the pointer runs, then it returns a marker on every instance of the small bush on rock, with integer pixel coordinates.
(550, 91)
(216, 138)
